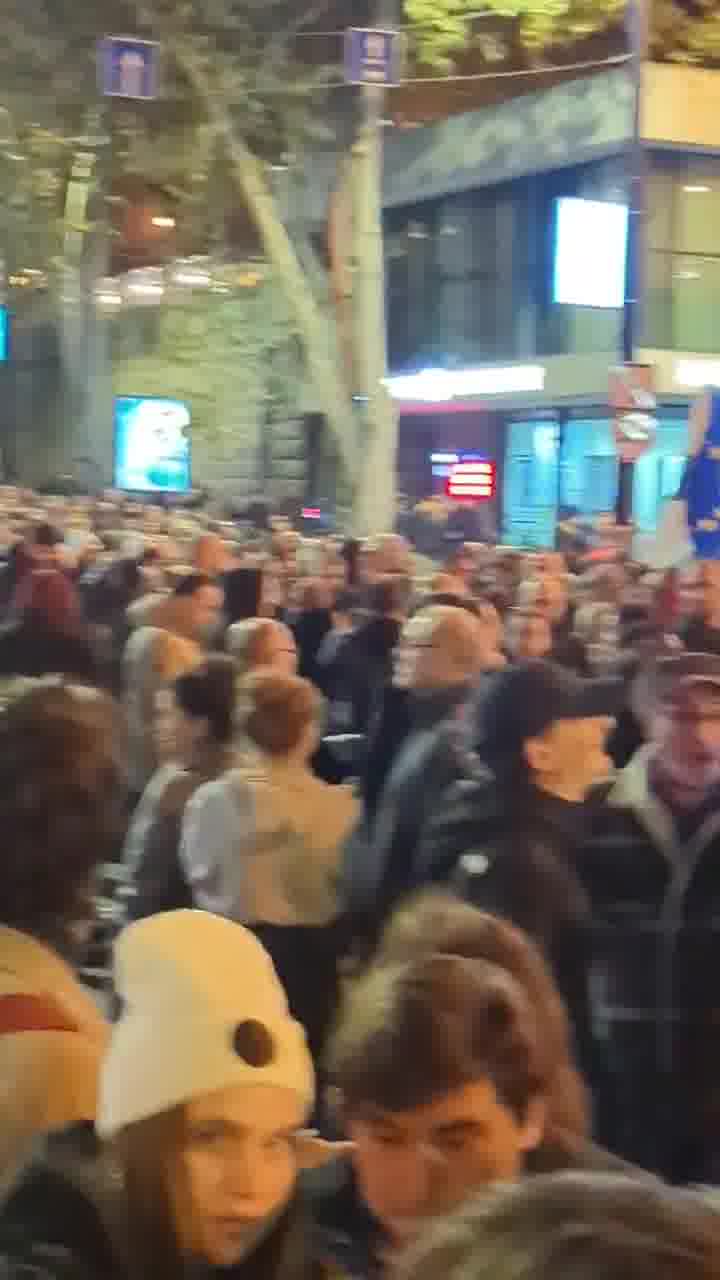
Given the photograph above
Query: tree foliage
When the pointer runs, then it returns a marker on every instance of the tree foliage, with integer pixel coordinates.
(685, 33)
(444, 29)
(48, 92)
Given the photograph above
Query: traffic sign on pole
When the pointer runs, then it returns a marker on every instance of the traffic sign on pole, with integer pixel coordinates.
(373, 56)
(128, 68)
(634, 402)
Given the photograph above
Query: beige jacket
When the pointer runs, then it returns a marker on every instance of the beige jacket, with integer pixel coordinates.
(48, 1078)
(264, 845)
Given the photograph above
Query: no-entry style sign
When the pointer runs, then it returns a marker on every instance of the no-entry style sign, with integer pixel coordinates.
(633, 401)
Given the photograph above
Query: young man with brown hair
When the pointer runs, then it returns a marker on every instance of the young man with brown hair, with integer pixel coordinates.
(442, 1087)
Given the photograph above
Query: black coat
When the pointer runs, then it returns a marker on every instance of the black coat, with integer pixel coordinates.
(700, 638)
(58, 1224)
(430, 760)
(512, 853)
(388, 729)
(29, 649)
(310, 629)
(363, 665)
(654, 891)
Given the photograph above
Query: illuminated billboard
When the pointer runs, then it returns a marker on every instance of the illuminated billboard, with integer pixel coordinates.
(590, 256)
(471, 481)
(152, 445)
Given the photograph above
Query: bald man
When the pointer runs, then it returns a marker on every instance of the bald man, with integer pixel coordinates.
(440, 658)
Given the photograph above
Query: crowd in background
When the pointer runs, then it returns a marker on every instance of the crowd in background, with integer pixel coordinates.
(358, 913)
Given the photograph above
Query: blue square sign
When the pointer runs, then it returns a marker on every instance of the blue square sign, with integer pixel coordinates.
(373, 57)
(128, 68)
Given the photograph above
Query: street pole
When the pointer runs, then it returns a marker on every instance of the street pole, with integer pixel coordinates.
(637, 20)
(377, 452)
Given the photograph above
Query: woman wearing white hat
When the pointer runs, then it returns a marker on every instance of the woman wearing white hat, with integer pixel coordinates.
(204, 1095)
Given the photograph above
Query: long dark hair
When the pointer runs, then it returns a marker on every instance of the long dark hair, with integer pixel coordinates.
(208, 693)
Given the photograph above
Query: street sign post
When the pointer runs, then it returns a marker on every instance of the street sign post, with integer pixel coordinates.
(373, 56)
(633, 401)
(128, 68)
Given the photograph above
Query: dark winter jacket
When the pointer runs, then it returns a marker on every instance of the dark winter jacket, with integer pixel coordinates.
(310, 629)
(429, 762)
(653, 884)
(63, 1222)
(152, 845)
(389, 726)
(698, 637)
(512, 851)
(28, 648)
(360, 668)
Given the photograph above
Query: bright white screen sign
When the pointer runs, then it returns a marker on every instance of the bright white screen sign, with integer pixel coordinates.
(590, 253)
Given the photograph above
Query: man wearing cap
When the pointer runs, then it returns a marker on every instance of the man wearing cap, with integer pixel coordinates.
(509, 837)
(651, 871)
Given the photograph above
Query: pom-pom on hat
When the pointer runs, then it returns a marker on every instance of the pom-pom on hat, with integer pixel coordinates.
(203, 1010)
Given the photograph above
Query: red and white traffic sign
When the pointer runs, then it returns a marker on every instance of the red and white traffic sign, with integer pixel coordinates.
(472, 481)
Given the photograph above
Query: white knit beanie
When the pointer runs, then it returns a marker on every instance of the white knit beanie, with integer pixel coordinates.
(203, 1010)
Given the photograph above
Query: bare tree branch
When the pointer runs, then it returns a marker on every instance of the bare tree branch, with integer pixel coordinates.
(278, 47)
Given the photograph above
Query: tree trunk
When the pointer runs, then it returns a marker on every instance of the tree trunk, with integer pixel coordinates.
(326, 376)
(374, 508)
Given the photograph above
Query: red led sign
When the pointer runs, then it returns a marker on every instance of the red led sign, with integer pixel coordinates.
(471, 482)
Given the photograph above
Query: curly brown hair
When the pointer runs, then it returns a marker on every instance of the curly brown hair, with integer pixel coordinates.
(61, 805)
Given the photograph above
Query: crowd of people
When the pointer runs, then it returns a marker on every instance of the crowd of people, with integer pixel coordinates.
(359, 915)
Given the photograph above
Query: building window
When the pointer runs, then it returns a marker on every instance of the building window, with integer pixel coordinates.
(530, 488)
(659, 471)
(683, 253)
(588, 467)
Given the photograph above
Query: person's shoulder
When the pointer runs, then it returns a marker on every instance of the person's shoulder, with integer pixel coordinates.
(567, 1152)
(171, 788)
(216, 792)
(341, 1229)
(51, 1226)
(22, 1258)
(338, 799)
(474, 796)
(219, 803)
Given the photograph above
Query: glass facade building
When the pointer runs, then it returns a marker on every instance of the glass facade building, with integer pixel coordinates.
(469, 281)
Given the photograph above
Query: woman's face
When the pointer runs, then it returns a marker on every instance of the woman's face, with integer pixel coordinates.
(235, 1170)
